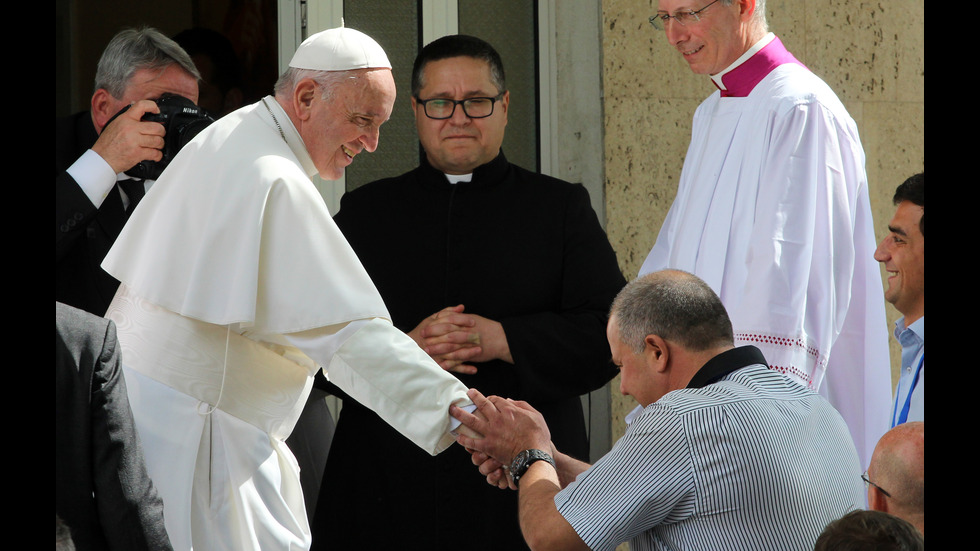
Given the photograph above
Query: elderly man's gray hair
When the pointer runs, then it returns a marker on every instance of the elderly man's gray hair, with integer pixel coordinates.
(760, 12)
(133, 50)
(328, 81)
(675, 305)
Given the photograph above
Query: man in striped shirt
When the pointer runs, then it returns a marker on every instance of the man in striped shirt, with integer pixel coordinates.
(723, 453)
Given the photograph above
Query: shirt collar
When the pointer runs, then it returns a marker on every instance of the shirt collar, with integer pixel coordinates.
(489, 174)
(721, 365)
(758, 61)
(917, 328)
(716, 369)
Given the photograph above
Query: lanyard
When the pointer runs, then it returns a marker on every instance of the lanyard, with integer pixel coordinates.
(904, 415)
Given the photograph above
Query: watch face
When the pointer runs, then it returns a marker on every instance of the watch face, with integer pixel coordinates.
(519, 464)
(523, 460)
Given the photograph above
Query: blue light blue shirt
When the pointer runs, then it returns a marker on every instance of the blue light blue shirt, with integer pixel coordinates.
(913, 341)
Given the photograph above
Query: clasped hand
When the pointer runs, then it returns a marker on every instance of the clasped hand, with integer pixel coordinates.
(452, 338)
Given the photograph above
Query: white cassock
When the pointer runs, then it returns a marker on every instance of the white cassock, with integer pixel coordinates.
(772, 211)
(236, 286)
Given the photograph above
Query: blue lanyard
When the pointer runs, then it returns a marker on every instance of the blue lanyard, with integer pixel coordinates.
(904, 415)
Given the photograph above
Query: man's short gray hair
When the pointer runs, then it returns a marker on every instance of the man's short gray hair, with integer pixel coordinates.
(328, 81)
(132, 50)
(675, 305)
(760, 13)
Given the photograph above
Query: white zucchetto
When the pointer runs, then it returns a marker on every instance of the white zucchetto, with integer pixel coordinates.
(340, 49)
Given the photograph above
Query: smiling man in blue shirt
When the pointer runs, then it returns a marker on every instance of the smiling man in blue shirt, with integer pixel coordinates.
(902, 252)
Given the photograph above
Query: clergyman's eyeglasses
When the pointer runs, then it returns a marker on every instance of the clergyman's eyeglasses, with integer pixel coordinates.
(443, 108)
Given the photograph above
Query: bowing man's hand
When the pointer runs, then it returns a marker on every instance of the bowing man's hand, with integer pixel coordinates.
(497, 473)
(508, 427)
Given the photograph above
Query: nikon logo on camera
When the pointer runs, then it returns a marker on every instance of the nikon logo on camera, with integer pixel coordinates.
(181, 120)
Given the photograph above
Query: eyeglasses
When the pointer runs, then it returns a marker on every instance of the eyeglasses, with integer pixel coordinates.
(864, 477)
(685, 18)
(443, 108)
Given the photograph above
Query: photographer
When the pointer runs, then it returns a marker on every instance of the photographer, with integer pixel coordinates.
(93, 150)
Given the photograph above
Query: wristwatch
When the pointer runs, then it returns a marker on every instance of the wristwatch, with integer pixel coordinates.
(524, 459)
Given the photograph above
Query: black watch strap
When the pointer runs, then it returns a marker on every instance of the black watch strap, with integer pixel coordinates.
(524, 459)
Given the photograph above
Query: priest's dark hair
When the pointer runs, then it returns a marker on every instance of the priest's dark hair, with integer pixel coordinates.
(913, 190)
(459, 45)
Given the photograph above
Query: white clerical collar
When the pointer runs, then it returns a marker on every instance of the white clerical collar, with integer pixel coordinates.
(456, 178)
(748, 53)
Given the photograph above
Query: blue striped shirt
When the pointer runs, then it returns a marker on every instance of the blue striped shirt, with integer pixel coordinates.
(753, 461)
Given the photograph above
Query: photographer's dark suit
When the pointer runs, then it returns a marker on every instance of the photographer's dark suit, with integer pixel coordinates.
(83, 234)
(102, 491)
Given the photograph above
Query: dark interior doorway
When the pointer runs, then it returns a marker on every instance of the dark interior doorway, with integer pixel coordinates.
(84, 27)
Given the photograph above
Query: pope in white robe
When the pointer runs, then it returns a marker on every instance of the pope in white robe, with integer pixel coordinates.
(236, 287)
(773, 212)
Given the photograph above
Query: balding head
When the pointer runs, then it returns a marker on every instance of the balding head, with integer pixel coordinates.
(663, 327)
(898, 467)
(676, 305)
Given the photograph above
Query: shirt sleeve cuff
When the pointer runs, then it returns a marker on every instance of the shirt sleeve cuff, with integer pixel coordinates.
(454, 423)
(94, 176)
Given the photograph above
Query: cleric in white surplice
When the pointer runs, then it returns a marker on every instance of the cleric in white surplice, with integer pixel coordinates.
(236, 287)
(772, 211)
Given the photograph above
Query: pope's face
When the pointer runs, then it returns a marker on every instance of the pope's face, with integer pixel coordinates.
(712, 44)
(459, 144)
(902, 253)
(349, 122)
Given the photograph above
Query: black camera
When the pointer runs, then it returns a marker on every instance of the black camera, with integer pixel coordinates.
(181, 119)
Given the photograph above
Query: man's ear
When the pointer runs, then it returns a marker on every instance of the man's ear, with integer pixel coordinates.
(505, 104)
(656, 352)
(101, 107)
(747, 9)
(303, 96)
(876, 500)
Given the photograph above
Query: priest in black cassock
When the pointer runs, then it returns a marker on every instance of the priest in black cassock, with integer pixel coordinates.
(503, 276)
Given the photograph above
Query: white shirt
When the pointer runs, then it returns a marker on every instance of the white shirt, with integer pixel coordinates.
(95, 177)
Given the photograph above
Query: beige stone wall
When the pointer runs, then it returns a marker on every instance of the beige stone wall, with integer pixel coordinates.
(870, 53)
